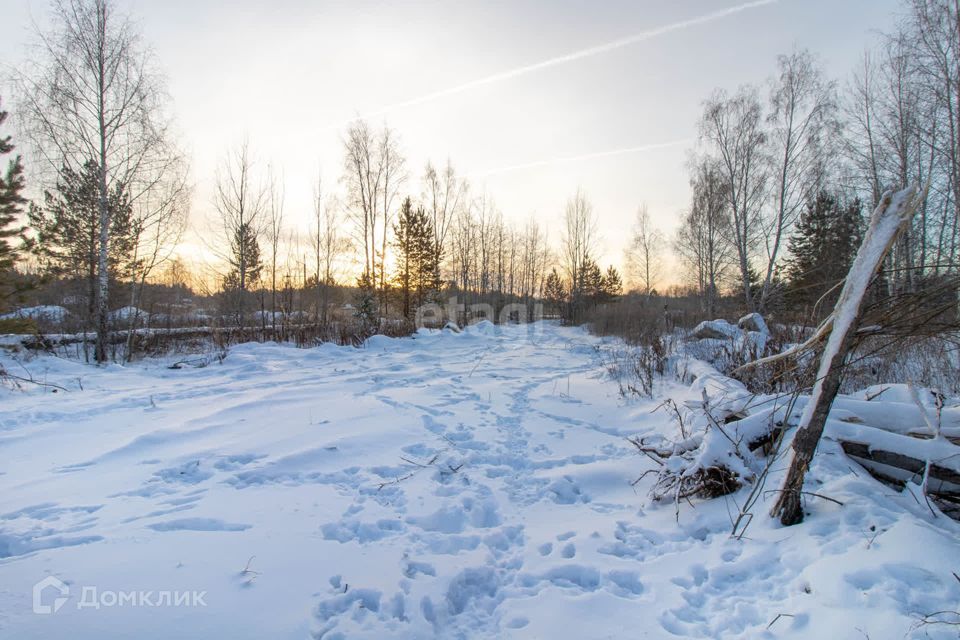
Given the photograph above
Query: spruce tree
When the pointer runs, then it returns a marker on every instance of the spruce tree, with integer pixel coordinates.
(11, 232)
(822, 248)
(245, 263)
(365, 308)
(245, 266)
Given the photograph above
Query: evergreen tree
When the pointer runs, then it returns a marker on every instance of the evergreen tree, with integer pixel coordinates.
(754, 282)
(611, 286)
(365, 307)
(245, 263)
(67, 230)
(822, 249)
(554, 292)
(417, 272)
(591, 282)
(11, 233)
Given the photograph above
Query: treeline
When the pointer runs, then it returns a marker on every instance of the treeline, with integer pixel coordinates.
(114, 199)
(786, 171)
(782, 178)
(103, 236)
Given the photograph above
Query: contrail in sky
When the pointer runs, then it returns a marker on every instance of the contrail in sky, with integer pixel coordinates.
(585, 156)
(571, 57)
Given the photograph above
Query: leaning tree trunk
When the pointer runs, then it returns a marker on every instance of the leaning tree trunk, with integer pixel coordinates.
(890, 217)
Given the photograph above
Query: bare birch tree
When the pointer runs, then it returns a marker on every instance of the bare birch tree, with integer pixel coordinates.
(329, 244)
(732, 128)
(240, 201)
(159, 220)
(443, 195)
(703, 241)
(933, 32)
(644, 254)
(800, 124)
(394, 177)
(578, 241)
(374, 173)
(464, 249)
(273, 227)
(534, 258)
(92, 94)
(902, 110)
(363, 180)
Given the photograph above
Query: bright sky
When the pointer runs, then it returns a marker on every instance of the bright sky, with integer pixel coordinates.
(529, 99)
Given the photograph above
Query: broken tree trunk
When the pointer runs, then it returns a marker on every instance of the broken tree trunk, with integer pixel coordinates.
(892, 214)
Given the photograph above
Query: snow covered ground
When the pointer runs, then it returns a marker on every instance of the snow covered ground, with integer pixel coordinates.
(449, 485)
(51, 313)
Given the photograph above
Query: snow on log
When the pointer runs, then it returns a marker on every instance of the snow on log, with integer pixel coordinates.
(753, 322)
(714, 330)
(895, 417)
(727, 428)
(905, 452)
(892, 416)
(727, 396)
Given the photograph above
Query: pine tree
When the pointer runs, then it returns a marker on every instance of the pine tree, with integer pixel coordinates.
(11, 232)
(554, 292)
(417, 272)
(611, 286)
(403, 241)
(591, 282)
(67, 230)
(427, 279)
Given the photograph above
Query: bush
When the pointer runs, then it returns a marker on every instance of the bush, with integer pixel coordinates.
(18, 325)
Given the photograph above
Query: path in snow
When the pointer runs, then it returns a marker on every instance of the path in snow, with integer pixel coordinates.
(472, 485)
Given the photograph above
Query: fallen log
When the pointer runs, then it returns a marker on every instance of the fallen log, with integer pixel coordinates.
(903, 455)
(895, 417)
(726, 396)
(899, 461)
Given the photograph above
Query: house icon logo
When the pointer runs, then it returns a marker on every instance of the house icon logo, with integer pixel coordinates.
(49, 583)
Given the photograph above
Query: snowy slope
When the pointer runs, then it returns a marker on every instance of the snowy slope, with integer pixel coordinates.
(52, 313)
(450, 485)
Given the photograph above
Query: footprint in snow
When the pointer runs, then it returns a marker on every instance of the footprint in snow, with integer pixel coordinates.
(566, 491)
(188, 473)
(198, 524)
(413, 568)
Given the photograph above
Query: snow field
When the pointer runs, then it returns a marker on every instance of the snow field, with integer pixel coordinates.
(471, 485)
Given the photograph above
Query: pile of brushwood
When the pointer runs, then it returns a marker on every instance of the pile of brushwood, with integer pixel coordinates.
(728, 435)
